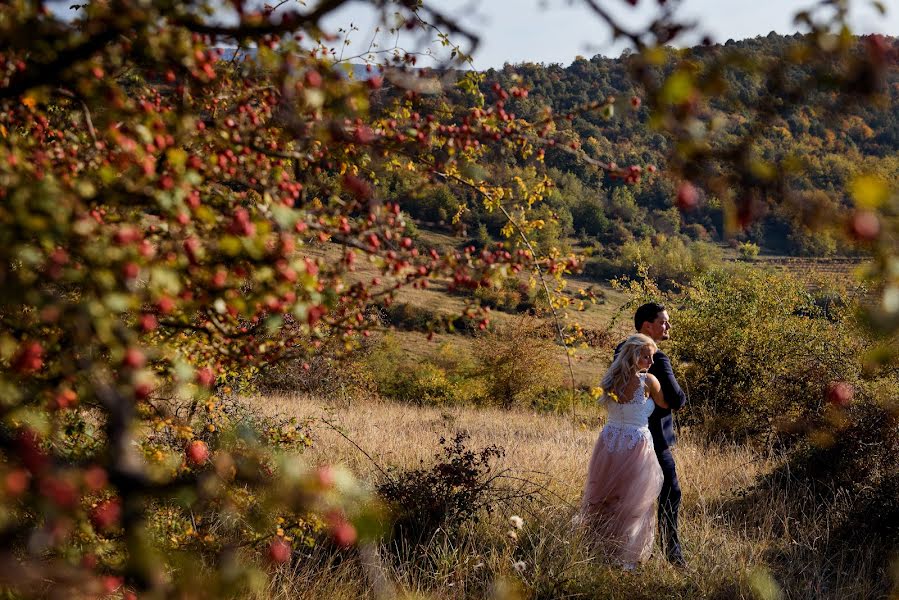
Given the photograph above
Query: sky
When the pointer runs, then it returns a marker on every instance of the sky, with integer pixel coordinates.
(556, 31)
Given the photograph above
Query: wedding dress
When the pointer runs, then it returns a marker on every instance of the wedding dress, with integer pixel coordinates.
(623, 482)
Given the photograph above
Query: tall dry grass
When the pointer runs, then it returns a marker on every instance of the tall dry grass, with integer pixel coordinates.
(764, 545)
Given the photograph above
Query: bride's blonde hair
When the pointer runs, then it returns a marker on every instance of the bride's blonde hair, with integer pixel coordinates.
(624, 367)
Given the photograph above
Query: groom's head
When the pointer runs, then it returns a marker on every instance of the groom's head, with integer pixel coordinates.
(652, 319)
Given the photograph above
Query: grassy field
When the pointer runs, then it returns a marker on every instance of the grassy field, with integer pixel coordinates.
(736, 548)
(742, 539)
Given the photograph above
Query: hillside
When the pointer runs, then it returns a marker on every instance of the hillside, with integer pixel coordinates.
(822, 144)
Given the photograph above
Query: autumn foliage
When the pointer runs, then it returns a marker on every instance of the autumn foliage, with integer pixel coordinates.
(158, 200)
(157, 197)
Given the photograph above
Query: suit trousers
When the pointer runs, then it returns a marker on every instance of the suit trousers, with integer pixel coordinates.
(669, 504)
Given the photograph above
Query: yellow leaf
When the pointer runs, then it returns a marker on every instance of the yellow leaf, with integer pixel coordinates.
(655, 55)
(678, 88)
(869, 191)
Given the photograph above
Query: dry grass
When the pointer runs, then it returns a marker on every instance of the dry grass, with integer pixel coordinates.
(553, 449)
(771, 549)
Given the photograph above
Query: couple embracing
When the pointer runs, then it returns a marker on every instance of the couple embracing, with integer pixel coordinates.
(632, 467)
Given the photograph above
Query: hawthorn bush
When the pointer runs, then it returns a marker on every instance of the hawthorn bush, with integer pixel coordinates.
(158, 200)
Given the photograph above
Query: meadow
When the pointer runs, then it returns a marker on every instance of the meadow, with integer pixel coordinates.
(749, 532)
(771, 546)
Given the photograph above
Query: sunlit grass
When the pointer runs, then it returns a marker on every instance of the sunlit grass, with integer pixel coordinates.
(768, 549)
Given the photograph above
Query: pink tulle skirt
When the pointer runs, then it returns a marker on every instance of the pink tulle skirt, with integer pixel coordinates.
(619, 503)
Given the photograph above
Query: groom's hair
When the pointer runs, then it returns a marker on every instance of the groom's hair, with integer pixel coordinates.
(647, 312)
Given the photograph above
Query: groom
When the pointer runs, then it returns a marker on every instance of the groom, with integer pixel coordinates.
(652, 319)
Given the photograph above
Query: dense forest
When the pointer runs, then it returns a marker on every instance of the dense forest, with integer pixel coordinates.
(622, 218)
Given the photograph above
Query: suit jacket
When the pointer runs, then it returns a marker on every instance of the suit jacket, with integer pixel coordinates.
(661, 423)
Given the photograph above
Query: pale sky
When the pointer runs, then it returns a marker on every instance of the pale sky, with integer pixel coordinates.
(556, 31)
(521, 31)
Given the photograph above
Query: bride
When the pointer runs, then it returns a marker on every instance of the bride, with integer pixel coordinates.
(624, 477)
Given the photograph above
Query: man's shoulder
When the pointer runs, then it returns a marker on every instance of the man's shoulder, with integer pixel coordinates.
(659, 355)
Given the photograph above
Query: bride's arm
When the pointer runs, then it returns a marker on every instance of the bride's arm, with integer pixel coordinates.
(655, 390)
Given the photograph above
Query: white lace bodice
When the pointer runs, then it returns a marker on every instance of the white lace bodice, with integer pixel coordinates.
(628, 421)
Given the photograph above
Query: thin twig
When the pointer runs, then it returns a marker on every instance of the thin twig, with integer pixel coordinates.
(87, 113)
(358, 447)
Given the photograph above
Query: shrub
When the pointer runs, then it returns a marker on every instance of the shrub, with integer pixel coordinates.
(410, 317)
(848, 462)
(755, 352)
(512, 296)
(335, 371)
(696, 231)
(667, 260)
(748, 250)
(517, 365)
(460, 484)
(408, 377)
(601, 268)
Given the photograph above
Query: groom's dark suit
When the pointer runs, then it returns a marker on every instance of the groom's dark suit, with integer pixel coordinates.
(661, 426)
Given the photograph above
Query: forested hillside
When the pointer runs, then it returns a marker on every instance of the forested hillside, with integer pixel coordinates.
(631, 217)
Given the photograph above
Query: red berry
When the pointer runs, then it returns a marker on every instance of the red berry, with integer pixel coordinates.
(279, 551)
(28, 448)
(143, 390)
(16, 482)
(840, 393)
(313, 79)
(126, 235)
(148, 322)
(66, 399)
(61, 492)
(95, 478)
(130, 270)
(166, 305)
(134, 358)
(865, 226)
(344, 534)
(197, 453)
(106, 515)
(205, 377)
(325, 476)
(29, 358)
(687, 196)
(111, 583)
(192, 249)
